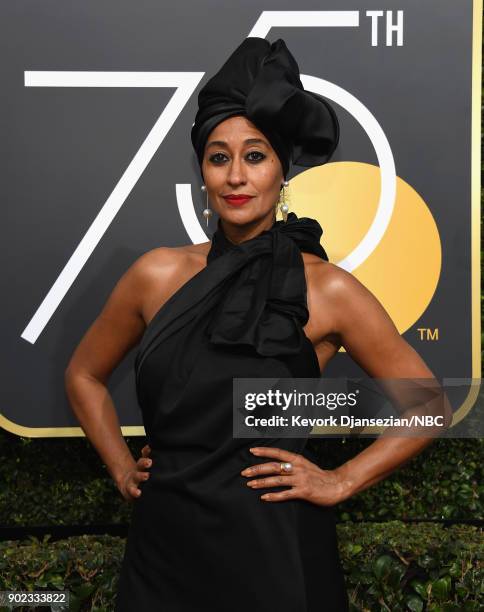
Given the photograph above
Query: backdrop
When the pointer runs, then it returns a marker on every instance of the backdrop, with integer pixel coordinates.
(97, 168)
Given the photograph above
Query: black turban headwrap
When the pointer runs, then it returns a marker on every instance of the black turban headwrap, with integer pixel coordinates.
(261, 81)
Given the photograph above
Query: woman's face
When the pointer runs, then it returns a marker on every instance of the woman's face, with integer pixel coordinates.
(235, 163)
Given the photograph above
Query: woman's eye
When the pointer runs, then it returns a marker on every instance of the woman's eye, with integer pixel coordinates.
(262, 156)
(213, 158)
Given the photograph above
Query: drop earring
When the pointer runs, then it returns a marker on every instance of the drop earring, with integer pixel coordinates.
(283, 199)
(207, 213)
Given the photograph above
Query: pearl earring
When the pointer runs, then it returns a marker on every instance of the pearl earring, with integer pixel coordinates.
(207, 213)
(283, 206)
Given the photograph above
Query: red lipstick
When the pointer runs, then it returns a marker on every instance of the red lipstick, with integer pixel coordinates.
(237, 199)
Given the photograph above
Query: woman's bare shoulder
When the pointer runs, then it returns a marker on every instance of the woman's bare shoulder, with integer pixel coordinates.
(341, 299)
(171, 260)
(163, 270)
(330, 280)
(328, 287)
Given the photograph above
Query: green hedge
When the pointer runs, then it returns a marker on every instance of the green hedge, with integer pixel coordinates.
(63, 482)
(390, 566)
(443, 482)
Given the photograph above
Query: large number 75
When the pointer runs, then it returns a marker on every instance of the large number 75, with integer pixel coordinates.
(185, 84)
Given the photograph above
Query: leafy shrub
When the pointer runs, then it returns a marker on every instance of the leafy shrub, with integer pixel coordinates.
(388, 566)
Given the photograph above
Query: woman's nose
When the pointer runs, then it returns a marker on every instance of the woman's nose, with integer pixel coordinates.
(236, 172)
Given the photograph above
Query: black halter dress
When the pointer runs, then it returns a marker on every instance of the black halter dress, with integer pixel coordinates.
(200, 538)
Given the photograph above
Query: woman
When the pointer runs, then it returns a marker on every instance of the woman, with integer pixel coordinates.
(221, 523)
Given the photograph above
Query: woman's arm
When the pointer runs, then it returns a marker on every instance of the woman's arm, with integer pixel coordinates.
(115, 331)
(371, 339)
(343, 307)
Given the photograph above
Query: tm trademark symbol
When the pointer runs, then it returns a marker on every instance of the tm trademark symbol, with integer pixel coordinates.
(428, 334)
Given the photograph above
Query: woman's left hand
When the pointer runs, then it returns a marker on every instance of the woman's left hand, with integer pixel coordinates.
(307, 480)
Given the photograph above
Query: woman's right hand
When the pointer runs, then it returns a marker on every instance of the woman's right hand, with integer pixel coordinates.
(128, 486)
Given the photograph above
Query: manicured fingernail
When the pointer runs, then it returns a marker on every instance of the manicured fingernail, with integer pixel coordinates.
(149, 462)
(264, 497)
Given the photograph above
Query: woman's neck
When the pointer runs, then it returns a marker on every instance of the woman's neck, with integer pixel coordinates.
(237, 233)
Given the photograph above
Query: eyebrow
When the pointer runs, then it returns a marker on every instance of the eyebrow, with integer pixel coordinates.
(222, 143)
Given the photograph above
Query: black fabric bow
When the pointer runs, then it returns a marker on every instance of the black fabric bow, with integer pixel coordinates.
(261, 81)
(265, 303)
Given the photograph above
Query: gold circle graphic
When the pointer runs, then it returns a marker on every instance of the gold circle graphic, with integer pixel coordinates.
(403, 270)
